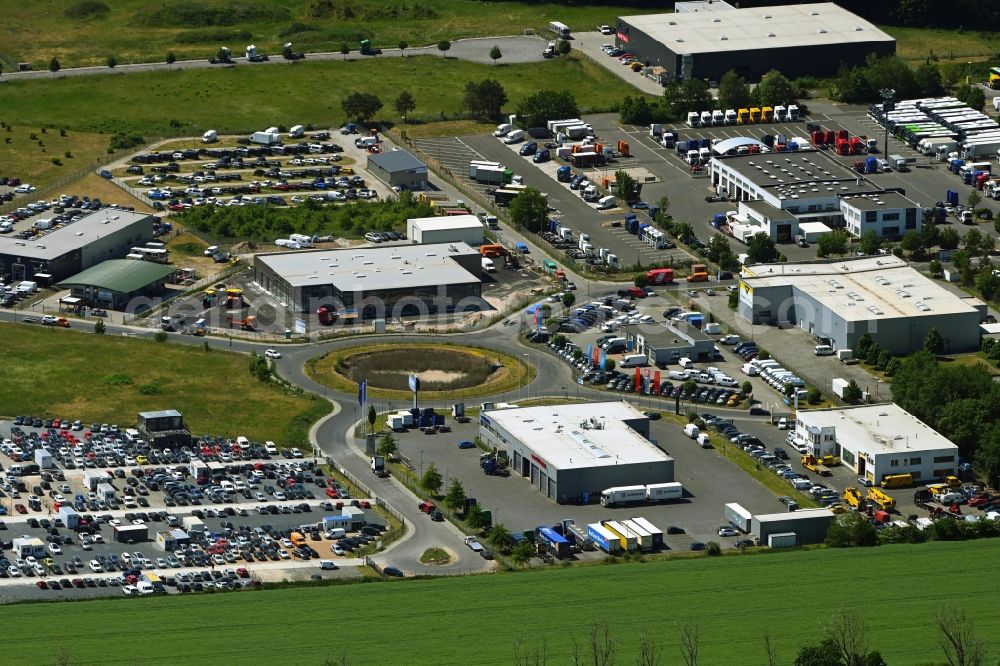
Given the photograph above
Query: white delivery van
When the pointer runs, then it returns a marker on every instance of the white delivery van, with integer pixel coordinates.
(514, 137)
(685, 363)
(605, 203)
(678, 376)
(211, 136)
(824, 350)
(633, 361)
(691, 430)
(703, 441)
(712, 329)
(750, 370)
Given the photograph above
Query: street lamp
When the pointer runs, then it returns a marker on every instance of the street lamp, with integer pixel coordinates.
(887, 106)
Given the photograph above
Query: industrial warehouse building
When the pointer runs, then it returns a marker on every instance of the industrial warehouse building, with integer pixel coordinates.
(669, 343)
(846, 298)
(375, 282)
(66, 250)
(876, 440)
(398, 168)
(797, 40)
(113, 284)
(573, 452)
(466, 229)
(808, 525)
(788, 194)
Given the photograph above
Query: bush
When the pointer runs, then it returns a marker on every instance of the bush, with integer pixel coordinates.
(198, 14)
(117, 379)
(161, 336)
(713, 549)
(149, 389)
(86, 9)
(813, 396)
(56, 161)
(123, 141)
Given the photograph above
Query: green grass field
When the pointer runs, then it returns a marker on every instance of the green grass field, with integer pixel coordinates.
(242, 99)
(733, 600)
(138, 31)
(60, 373)
(31, 159)
(921, 43)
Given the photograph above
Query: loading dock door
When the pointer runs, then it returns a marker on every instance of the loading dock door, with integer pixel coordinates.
(543, 481)
(552, 488)
(534, 475)
(525, 467)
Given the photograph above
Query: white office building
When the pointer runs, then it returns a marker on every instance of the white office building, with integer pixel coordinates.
(876, 440)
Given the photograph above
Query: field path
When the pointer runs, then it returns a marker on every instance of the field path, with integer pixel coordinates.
(515, 49)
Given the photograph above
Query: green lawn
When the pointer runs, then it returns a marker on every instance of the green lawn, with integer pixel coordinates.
(243, 99)
(61, 373)
(139, 31)
(733, 600)
(921, 43)
(28, 153)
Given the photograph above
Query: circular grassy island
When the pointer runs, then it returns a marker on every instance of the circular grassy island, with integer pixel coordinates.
(444, 370)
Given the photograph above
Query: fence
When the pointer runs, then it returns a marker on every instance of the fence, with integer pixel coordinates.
(50, 190)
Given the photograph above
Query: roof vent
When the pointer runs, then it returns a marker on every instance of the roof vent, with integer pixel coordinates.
(671, 22)
(716, 20)
(770, 34)
(766, 16)
(813, 13)
(822, 31)
(680, 40)
(858, 29)
(723, 38)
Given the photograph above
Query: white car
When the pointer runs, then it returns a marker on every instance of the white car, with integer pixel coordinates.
(211, 250)
(336, 550)
(728, 532)
(272, 353)
(55, 549)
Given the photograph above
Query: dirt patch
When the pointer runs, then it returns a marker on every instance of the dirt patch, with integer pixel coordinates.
(438, 369)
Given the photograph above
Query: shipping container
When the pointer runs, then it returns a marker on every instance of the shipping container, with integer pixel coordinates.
(628, 539)
(604, 538)
(654, 532)
(738, 517)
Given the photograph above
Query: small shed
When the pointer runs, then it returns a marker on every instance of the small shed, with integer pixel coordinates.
(105, 491)
(812, 231)
(170, 540)
(93, 477)
(331, 522)
(194, 525)
(356, 516)
(29, 547)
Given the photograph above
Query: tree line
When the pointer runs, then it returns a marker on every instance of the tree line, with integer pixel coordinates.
(862, 83)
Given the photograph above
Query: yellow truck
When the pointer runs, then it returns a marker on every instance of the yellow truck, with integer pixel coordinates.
(880, 499)
(829, 461)
(812, 464)
(754, 115)
(952, 482)
(897, 481)
(766, 114)
(743, 117)
(853, 497)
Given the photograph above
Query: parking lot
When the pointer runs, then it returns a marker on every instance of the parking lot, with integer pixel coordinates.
(565, 204)
(260, 515)
(710, 481)
(325, 167)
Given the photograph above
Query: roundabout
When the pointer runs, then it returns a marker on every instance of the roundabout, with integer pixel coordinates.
(443, 370)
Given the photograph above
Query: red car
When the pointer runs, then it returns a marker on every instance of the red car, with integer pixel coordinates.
(331, 493)
(242, 572)
(20, 508)
(42, 585)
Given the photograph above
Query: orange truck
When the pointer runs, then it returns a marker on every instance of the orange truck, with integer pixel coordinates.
(493, 251)
(699, 273)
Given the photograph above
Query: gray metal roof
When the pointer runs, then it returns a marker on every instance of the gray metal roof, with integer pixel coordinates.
(667, 335)
(759, 28)
(396, 160)
(159, 414)
(771, 212)
(368, 269)
(73, 236)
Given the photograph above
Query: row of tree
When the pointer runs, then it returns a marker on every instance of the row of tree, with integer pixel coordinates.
(962, 402)
(842, 640)
(693, 95)
(863, 83)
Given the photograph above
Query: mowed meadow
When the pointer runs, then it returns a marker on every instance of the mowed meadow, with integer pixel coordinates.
(733, 600)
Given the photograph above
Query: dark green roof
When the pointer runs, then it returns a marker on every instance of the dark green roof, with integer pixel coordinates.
(119, 275)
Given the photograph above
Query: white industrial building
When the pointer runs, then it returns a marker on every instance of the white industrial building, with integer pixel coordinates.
(846, 298)
(780, 193)
(375, 282)
(466, 229)
(876, 440)
(807, 526)
(573, 452)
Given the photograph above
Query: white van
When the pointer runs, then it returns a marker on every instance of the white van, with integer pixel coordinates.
(703, 441)
(691, 430)
(678, 376)
(750, 370)
(633, 361)
(604, 203)
(824, 350)
(685, 363)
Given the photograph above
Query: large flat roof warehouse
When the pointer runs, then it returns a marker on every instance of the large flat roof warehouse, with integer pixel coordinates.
(862, 289)
(773, 27)
(63, 239)
(877, 429)
(582, 435)
(374, 268)
(802, 174)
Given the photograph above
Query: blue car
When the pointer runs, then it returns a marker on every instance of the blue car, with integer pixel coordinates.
(541, 156)
(466, 444)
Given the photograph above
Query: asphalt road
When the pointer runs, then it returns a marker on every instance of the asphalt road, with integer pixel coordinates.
(515, 49)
